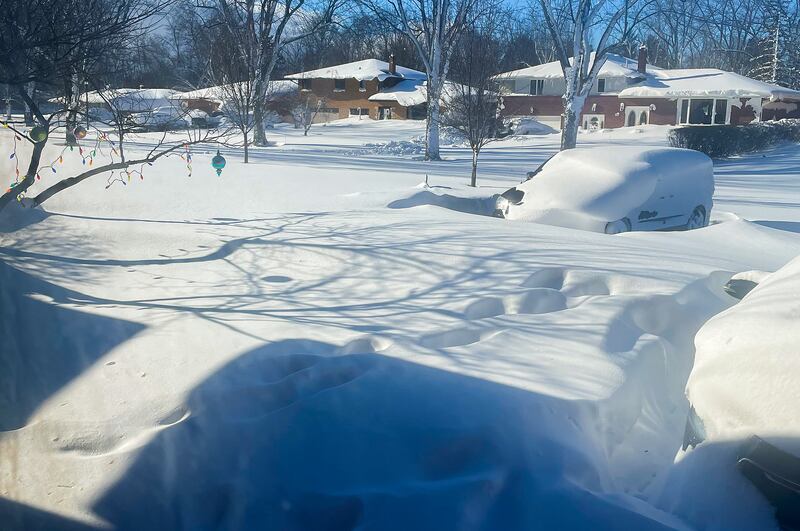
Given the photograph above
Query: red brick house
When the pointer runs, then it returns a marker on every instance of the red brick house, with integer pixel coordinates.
(369, 88)
(630, 92)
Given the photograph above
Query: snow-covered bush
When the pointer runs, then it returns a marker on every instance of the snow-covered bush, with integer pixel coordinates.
(727, 140)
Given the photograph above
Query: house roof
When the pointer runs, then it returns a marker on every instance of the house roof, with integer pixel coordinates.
(360, 70)
(615, 66)
(705, 82)
(217, 93)
(667, 83)
(412, 92)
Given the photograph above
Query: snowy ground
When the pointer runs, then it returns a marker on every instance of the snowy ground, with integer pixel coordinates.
(307, 343)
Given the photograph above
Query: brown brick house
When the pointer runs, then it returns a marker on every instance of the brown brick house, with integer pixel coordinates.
(630, 92)
(367, 88)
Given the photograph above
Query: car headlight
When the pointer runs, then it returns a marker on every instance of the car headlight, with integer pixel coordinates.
(619, 226)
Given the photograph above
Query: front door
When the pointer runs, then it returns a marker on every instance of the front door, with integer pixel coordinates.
(384, 113)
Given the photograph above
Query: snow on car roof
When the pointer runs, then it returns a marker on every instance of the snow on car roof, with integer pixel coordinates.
(361, 70)
(705, 82)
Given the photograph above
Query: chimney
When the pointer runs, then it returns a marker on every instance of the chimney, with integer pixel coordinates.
(392, 65)
(642, 68)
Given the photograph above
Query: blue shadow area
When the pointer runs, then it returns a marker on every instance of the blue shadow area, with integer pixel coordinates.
(43, 346)
(296, 436)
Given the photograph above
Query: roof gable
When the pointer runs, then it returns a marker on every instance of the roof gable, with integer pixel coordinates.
(360, 70)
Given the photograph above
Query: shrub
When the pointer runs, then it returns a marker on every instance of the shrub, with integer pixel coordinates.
(720, 141)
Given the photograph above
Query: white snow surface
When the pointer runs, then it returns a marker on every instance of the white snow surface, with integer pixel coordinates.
(698, 82)
(586, 188)
(318, 340)
(221, 92)
(615, 66)
(361, 70)
(668, 83)
(744, 378)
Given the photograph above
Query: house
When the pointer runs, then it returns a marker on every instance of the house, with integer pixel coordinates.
(212, 99)
(631, 92)
(369, 88)
(123, 100)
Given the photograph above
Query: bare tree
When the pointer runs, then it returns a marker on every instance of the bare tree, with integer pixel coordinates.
(579, 63)
(263, 28)
(434, 27)
(37, 41)
(304, 111)
(474, 105)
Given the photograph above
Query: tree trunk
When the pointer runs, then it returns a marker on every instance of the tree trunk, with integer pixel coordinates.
(432, 130)
(474, 181)
(30, 89)
(259, 134)
(29, 178)
(246, 148)
(569, 133)
(574, 99)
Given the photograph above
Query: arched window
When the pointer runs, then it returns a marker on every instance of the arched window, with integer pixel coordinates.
(631, 118)
(643, 118)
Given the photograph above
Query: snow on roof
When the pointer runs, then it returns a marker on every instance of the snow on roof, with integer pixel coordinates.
(122, 94)
(412, 92)
(663, 83)
(705, 82)
(217, 93)
(361, 70)
(615, 66)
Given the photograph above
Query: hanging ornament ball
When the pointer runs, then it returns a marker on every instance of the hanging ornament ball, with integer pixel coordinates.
(80, 132)
(218, 162)
(38, 134)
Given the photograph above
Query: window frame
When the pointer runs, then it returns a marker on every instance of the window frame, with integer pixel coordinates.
(304, 84)
(601, 85)
(362, 85)
(536, 87)
(336, 83)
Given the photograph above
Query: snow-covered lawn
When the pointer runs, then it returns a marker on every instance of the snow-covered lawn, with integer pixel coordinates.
(293, 345)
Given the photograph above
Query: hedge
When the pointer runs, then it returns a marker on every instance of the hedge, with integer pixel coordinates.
(720, 141)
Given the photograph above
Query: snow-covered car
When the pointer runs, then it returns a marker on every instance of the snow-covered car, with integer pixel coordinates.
(160, 119)
(615, 189)
(202, 119)
(744, 388)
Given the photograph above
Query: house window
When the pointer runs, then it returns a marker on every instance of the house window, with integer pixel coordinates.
(339, 85)
(720, 111)
(362, 85)
(305, 84)
(508, 86)
(537, 87)
(329, 110)
(703, 111)
(601, 85)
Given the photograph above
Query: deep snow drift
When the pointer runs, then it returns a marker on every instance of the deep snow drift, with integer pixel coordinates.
(277, 347)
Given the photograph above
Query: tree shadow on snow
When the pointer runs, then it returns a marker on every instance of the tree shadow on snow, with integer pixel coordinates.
(296, 436)
(42, 345)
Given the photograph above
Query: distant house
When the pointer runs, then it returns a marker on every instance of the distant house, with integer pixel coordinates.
(631, 92)
(369, 88)
(124, 100)
(212, 99)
